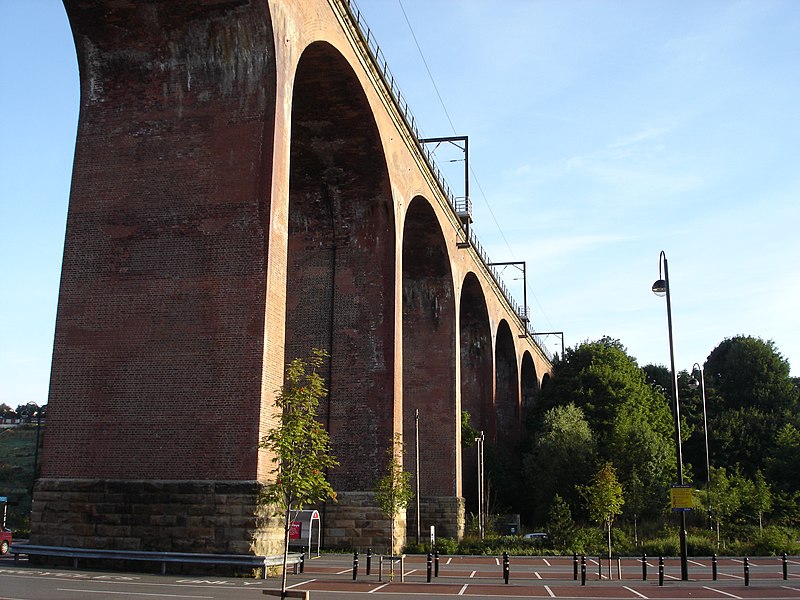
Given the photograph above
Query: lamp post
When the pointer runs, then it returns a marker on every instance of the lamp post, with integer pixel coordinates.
(480, 441)
(661, 288)
(702, 385)
(416, 478)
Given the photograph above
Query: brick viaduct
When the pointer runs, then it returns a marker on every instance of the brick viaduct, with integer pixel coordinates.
(247, 185)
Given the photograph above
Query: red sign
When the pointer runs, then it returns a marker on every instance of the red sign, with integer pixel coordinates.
(294, 530)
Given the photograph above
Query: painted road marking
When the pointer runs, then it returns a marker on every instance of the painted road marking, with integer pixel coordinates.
(129, 593)
(549, 591)
(471, 575)
(705, 587)
(546, 562)
(380, 587)
(694, 562)
(463, 589)
(537, 574)
(634, 591)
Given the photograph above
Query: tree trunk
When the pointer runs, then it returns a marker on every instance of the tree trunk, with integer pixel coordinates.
(285, 550)
(391, 550)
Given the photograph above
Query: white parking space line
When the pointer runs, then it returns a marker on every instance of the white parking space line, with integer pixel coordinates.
(546, 562)
(705, 587)
(380, 587)
(633, 591)
(129, 593)
(463, 589)
(549, 591)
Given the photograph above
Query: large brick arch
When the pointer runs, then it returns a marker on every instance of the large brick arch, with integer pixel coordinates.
(429, 353)
(476, 376)
(340, 262)
(529, 384)
(506, 387)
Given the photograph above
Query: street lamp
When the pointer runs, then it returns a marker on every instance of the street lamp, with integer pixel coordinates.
(481, 507)
(702, 385)
(661, 288)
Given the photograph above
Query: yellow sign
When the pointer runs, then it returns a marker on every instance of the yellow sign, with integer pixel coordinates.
(681, 497)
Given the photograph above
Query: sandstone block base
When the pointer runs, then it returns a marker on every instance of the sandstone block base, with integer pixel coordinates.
(168, 516)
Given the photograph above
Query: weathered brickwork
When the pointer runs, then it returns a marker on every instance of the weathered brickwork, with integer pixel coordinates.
(244, 189)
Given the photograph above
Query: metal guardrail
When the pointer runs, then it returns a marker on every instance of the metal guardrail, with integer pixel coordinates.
(456, 205)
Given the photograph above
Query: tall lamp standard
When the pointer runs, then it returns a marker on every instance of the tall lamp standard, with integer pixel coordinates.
(702, 385)
(661, 288)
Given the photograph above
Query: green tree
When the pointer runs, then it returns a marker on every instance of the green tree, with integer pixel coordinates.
(468, 432)
(726, 498)
(604, 500)
(757, 498)
(783, 464)
(750, 397)
(562, 458)
(560, 526)
(299, 445)
(601, 379)
(394, 493)
(645, 460)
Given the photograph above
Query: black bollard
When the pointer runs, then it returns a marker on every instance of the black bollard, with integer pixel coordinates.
(644, 566)
(303, 560)
(746, 571)
(506, 567)
(435, 562)
(430, 566)
(574, 566)
(369, 560)
(785, 567)
(714, 567)
(583, 570)
(355, 565)
(660, 570)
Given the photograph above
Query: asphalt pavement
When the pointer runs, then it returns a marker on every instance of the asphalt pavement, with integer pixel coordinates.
(330, 577)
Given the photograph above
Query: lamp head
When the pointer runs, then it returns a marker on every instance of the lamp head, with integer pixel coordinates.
(693, 383)
(660, 288)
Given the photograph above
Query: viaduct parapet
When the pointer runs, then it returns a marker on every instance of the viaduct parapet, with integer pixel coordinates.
(246, 186)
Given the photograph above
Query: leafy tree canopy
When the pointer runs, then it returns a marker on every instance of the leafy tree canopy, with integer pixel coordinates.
(603, 380)
(745, 371)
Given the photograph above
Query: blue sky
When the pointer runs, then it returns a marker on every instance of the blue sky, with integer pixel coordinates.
(601, 132)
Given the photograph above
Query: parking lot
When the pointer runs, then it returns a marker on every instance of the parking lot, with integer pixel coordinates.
(331, 577)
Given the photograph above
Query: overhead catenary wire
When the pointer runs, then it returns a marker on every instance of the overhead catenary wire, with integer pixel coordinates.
(471, 170)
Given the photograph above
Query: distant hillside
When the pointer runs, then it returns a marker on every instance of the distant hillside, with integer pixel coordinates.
(16, 473)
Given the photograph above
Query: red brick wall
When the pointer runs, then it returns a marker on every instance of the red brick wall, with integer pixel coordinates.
(159, 339)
